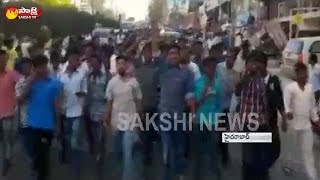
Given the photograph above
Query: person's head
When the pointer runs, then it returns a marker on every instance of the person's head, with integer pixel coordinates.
(89, 49)
(301, 71)
(185, 55)
(174, 54)
(19, 50)
(197, 48)
(95, 62)
(209, 66)
(147, 51)
(231, 57)
(245, 46)
(40, 66)
(73, 57)
(3, 60)
(164, 48)
(131, 54)
(122, 65)
(55, 58)
(216, 51)
(313, 60)
(8, 42)
(182, 42)
(96, 41)
(110, 41)
(36, 49)
(257, 62)
(24, 66)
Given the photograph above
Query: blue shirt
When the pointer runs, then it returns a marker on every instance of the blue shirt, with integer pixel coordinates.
(206, 111)
(176, 87)
(41, 112)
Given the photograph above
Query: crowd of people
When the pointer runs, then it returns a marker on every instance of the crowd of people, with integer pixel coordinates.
(81, 96)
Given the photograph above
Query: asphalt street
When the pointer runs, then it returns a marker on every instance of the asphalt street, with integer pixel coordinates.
(20, 166)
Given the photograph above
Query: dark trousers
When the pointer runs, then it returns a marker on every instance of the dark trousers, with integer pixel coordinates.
(224, 146)
(63, 152)
(257, 159)
(41, 142)
(149, 136)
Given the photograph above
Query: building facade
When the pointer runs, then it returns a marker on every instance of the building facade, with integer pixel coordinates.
(83, 5)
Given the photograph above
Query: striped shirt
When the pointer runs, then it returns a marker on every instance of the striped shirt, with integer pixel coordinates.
(253, 101)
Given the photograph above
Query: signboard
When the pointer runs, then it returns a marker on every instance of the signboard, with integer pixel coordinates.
(210, 4)
(180, 6)
(297, 19)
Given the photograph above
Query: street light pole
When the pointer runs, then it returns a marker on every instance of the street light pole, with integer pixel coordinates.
(1, 19)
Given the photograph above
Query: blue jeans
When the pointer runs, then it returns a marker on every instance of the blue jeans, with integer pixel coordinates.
(174, 145)
(74, 140)
(127, 145)
(97, 131)
(207, 153)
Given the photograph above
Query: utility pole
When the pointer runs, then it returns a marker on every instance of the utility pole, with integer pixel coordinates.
(1, 19)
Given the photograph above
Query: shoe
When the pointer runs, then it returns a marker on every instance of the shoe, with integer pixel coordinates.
(6, 167)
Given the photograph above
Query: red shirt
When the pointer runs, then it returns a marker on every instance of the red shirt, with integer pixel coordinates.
(8, 81)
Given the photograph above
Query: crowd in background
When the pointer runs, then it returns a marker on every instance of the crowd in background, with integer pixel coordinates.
(74, 92)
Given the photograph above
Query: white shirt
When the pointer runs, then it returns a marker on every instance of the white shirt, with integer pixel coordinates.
(314, 77)
(77, 82)
(124, 92)
(113, 64)
(195, 70)
(301, 104)
(24, 49)
(84, 67)
(239, 64)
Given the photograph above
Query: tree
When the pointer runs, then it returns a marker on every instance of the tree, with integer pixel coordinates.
(108, 13)
(97, 6)
(54, 2)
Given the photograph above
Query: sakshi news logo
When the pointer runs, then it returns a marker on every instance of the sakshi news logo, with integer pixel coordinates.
(13, 13)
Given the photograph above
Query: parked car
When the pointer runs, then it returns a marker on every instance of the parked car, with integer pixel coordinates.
(299, 50)
(103, 34)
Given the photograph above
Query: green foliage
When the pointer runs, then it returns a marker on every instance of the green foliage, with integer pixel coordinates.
(61, 20)
(54, 2)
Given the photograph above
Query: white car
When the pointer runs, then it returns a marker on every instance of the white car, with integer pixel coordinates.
(103, 34)
(299, 50)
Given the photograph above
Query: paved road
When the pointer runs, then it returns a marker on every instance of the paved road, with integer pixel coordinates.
(20, 165)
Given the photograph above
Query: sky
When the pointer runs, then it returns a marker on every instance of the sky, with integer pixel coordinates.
(132, 8)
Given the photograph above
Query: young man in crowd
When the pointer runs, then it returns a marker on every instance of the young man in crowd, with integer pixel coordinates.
(174, 101)
(300, 108)
(229, 79)
(11, 51)
(96, 108)
(124, 104)
(208, 94)
(42, 93)
(182, 43)
(216, 51)
(8, 80)
(314, 75)
(147, 73)
(197, 53)
(254, 110)
(25, 69)
(55, 63)
(74, 91)
(188, 64)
